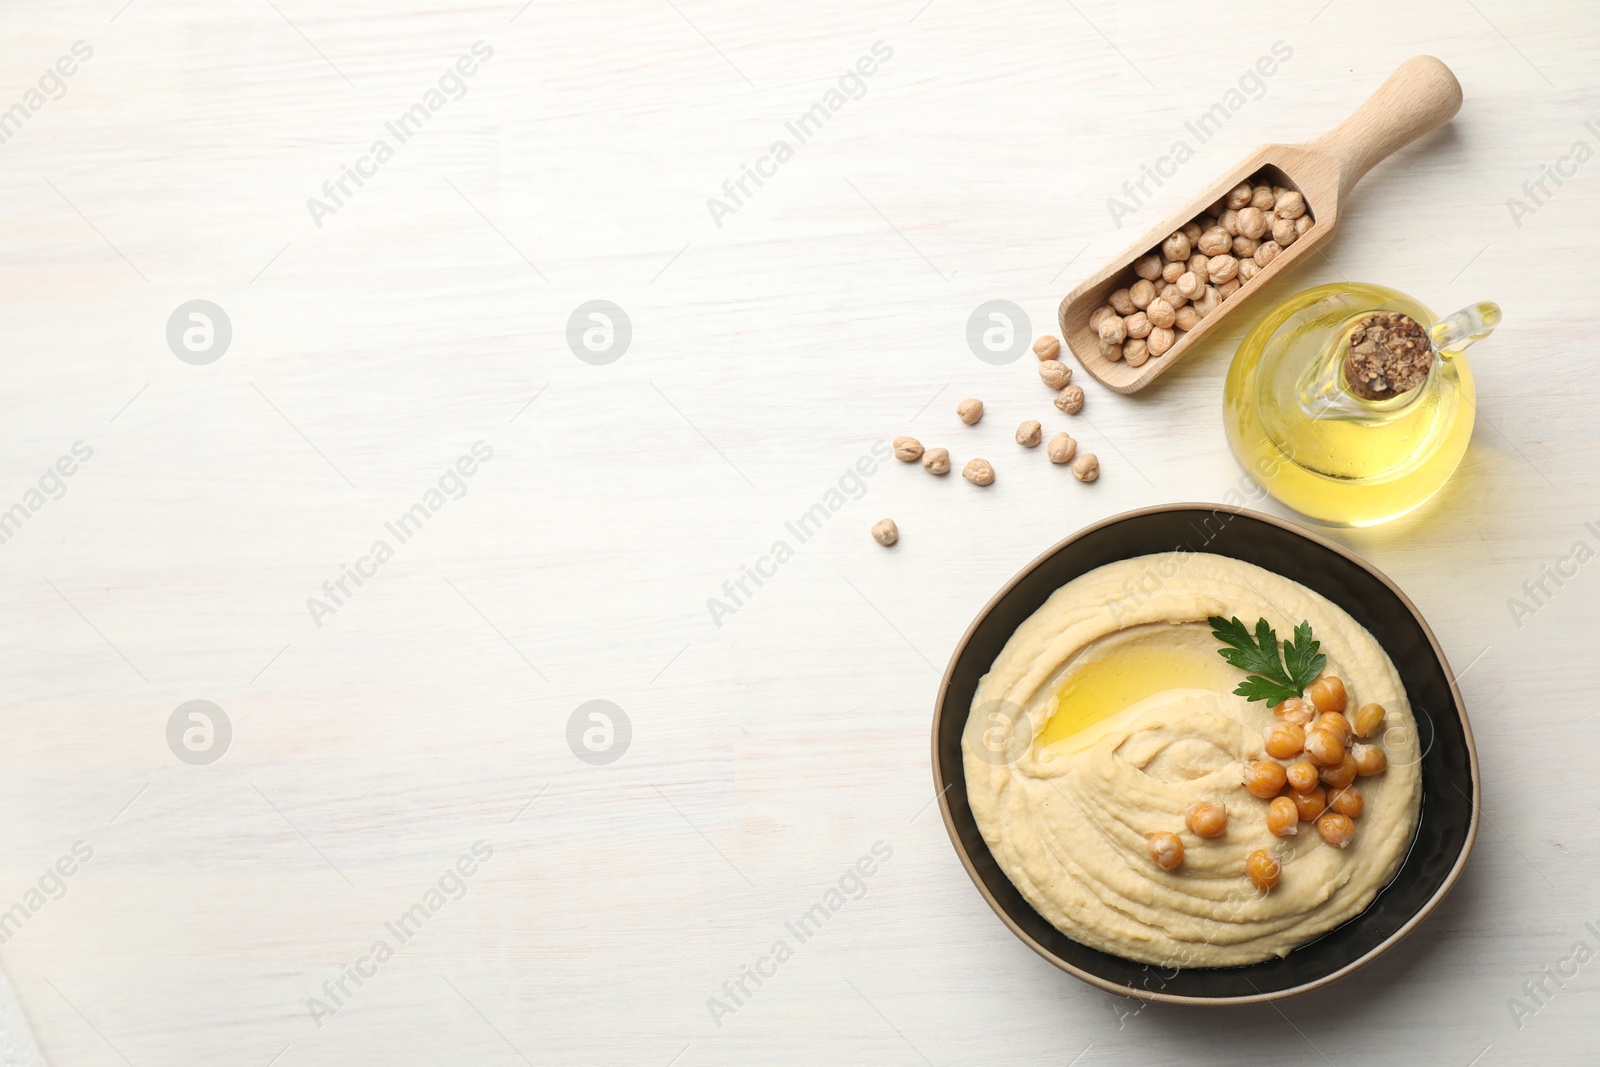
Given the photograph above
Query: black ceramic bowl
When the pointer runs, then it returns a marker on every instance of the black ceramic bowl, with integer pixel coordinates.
(1449, 822)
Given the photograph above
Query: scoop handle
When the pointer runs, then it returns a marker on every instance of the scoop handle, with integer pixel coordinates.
(1421, 95)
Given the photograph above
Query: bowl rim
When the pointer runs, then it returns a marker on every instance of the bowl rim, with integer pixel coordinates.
(1157, 995)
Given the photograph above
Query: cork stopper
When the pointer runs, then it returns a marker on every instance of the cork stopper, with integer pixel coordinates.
(1389, 354)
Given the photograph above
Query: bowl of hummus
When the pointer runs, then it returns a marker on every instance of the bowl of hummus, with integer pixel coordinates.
(1157, 800)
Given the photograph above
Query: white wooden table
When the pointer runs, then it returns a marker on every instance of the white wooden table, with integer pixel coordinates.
(375, 740)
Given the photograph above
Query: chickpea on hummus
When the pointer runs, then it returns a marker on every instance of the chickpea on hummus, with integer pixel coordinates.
(1106, 760)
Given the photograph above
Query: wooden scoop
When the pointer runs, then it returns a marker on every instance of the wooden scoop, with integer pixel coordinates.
(1420, 96)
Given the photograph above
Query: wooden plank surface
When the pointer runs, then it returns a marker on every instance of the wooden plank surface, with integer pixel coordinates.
(378, 338)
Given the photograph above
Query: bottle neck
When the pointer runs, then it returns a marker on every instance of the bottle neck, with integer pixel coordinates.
(1324, 390)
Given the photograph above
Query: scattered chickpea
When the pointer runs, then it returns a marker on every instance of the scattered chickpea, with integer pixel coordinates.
(885, 532)
(1147, 266)
(1264, 778)
(1172, 272)
(1252, 222)
(1335, 723)
(1055, 374)
(1284, 740)
(1122, 303)
(1347, 802)
(1239, 196)
(1324, 747)
(1336, 829)
(1302, 775)
(1136, 352)
(1340, 774)
(1176, 247)
(1369, 720)
(1086, 468)
(1070, 399)
(1047, 347)
(1309, 803)
(1206, 820)
(1263, 869)
(907, 449)
(1160, 313)
(1160, 340)
(978, 472)
(1369, 760)
(971, 410)
(1029, 433)
(1061, 448)
(936, 461)
(1296, 710)
(1143, 291)
(1283, 818)
(1327, 693)
(1291, 205)
(1166, 850)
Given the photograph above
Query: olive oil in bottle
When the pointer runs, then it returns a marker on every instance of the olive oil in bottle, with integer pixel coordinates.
(1321, 446)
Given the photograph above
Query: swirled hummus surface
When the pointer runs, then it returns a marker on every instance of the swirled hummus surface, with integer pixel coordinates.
(1108, 713)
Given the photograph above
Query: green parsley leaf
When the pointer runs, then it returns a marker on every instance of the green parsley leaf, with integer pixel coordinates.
(1256, 687)
(1302, 658)
(1268, 680)
(1243, 652)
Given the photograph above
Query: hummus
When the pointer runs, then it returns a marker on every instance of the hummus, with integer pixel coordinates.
(1108, 713)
